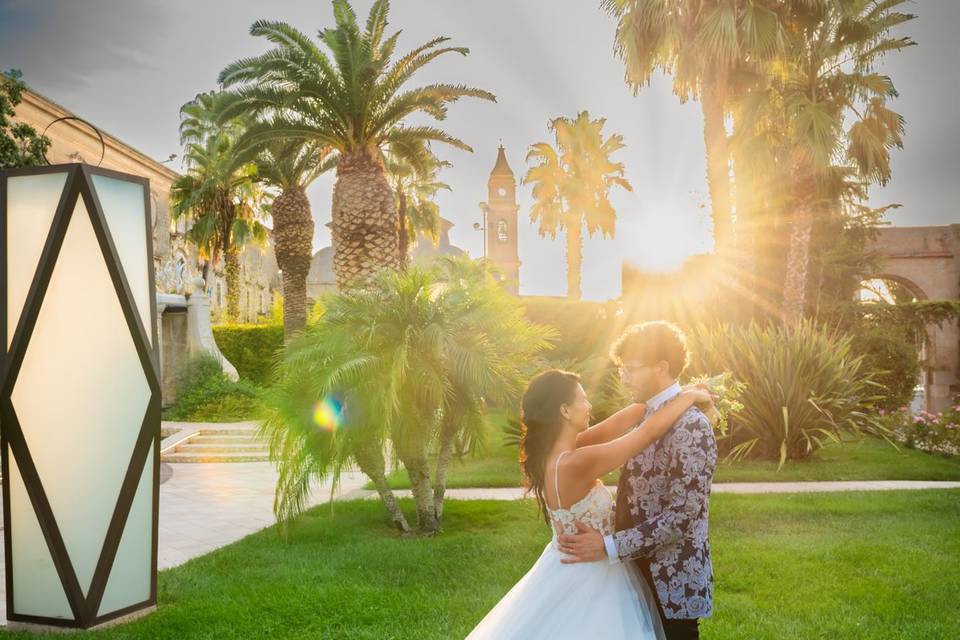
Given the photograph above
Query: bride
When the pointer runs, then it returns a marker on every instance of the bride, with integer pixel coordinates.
(562, 459)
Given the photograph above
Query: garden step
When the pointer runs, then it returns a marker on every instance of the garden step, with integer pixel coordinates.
(229, 431)
(218, 439)
(252, 447)
(216, 457)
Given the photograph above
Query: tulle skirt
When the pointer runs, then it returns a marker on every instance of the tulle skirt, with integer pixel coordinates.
(586, 600)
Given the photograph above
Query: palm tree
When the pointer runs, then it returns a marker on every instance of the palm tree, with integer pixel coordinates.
(219, 194)
(702, 43)
(571, 186)
(412, 358)
(290, 166)
(413, 177)
(825, 80)
(354, 101)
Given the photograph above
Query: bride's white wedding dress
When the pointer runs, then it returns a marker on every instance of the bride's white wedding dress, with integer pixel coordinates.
(577, 601)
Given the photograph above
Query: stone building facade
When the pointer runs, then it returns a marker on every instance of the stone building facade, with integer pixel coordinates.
(176, 262)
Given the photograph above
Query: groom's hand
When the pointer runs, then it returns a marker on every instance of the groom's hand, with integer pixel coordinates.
(585, 546)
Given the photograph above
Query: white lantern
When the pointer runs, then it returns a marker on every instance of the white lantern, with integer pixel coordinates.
(79, 396)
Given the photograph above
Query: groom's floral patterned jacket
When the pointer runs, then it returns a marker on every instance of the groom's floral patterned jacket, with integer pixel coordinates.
(666, 490)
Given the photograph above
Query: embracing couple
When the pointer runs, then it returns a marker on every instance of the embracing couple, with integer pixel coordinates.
(639, 569)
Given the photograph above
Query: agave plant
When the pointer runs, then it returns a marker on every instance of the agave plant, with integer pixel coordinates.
(413, 360)
(802, 387)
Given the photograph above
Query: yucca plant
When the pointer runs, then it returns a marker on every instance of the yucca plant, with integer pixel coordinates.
(802, 387)
(412, 360)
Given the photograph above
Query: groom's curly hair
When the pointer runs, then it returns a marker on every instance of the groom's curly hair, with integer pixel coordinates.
(651, 342)
(541, 423)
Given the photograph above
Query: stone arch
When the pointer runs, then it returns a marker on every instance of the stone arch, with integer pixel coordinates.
(926, 260)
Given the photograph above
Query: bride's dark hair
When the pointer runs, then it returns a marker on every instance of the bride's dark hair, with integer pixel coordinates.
(540, 420)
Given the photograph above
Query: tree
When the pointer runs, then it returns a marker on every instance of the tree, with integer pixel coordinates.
(571, 186)
(703, 44)
(413, 358)
(413, 177)
(290, 166)
(219, 193)
(20, 144)
(354, 101)
(835, 121)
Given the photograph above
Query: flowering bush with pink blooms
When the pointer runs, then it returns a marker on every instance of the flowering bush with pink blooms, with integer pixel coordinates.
(936, 432)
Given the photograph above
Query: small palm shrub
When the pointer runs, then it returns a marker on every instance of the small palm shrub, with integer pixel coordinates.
(802, 387)
(413, 360)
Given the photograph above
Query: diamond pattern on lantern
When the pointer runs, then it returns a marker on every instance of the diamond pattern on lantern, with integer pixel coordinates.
(79, 380)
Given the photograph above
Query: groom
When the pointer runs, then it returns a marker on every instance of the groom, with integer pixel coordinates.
(664, 492)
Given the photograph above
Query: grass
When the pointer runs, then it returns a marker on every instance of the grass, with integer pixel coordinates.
(863, 459)
(857, 565)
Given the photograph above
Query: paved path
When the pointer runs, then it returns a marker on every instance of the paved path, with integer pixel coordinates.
(719, 487)
(206, 506)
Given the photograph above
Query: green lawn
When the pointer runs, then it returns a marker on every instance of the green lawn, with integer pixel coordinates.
(858, 565)
(864, 459)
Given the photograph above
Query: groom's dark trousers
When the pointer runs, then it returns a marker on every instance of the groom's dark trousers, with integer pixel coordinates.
(673, 629)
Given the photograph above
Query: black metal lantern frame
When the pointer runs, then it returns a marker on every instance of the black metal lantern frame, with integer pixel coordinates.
(79, 186)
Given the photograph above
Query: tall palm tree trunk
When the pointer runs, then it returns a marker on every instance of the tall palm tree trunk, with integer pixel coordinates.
(404, 236)
(365, 234)
(718, 168)
(574, 259)
(798, 266)
(293, 241)
(231, 267)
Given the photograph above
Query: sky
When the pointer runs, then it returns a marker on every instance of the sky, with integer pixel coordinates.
(127, 67)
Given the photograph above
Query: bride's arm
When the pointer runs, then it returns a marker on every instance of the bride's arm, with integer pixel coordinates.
(597, 460)
(614, 426)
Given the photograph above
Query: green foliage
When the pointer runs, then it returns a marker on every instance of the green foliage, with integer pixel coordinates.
(890, 357)
(206, 394)
(803, 386)
(414, 351)
(251, 348)
(585, 329)
(932, 432)
(351, 94)
(20, 144)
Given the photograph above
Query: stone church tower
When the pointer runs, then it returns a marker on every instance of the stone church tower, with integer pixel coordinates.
(500, 233)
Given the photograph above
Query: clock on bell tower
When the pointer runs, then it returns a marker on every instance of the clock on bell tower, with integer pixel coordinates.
(500, 224)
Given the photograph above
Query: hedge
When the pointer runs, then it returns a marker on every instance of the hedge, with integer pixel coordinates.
(250, 348)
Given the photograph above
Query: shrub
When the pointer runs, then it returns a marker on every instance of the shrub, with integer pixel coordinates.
(585, 330)
(206, 394)
(802, 386)
(933, 432)
(250, 348)
(890, 356)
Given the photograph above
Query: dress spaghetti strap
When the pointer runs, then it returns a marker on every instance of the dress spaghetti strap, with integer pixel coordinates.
(556, 479)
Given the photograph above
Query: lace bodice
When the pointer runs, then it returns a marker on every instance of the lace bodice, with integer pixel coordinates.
(594, 509)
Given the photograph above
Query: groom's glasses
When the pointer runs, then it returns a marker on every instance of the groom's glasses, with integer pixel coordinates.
(631, 369)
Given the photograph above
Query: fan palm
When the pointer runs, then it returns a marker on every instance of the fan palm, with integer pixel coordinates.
(571, 186)
(413, 358)
(830, 106)
(702, 43)
(219, 194)
(352, 98)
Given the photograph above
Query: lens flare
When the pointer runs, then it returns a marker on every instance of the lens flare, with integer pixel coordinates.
(328, 414)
